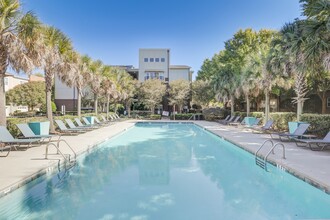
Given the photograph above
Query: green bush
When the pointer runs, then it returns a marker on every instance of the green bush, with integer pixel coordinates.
(281, 119)
(155, 117)
(43, 107)
(320, 124)
(181, 116)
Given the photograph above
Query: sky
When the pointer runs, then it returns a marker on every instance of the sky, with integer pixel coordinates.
(114, 30)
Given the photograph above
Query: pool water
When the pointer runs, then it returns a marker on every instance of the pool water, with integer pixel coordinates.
(167, 171)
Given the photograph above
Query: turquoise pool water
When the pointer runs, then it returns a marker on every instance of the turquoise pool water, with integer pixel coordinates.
(167, 171)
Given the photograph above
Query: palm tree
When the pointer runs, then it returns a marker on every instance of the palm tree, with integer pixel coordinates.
(108, 86)
(79, 77)
(95, 70)
(292, 46)
(57, 46)
(316, 32)
(15, 35)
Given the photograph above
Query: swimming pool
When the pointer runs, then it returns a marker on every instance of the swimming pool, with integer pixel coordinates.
(166, 171)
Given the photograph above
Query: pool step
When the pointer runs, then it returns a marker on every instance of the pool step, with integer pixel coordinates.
(261, 163)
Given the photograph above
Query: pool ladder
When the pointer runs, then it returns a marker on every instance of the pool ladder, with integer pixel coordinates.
(262, 162)
(67, 157)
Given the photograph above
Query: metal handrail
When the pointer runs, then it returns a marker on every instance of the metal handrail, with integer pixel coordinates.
(256, 153)
(57, 146)
(272, 151)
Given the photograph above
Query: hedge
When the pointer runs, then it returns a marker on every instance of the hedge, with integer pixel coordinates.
(281, 119)
(155, 117)
(320, 124)
(182, 116)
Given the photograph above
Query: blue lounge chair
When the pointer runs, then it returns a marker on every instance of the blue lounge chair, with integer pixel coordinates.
(73, 126)
(319, 143)
(65, 130)
(298, 133)
(7, 141)
(87, 123)
(28, 133)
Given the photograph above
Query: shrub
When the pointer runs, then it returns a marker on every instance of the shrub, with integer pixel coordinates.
(43, 107)
(212, 114)
(181, 116)
(155, 117)
(320, 124)
(281, 119)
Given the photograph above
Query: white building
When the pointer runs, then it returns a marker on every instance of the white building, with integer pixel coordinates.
(155, 63)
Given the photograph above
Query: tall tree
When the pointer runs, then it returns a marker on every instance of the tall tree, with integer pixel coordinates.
(202, 93)
(151, 93)
(179, 93)
(30, 94)
(108, 84)
(95, 70)
(56, 48)
(16, 32)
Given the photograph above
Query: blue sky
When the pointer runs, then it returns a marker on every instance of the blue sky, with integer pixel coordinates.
(114, 30)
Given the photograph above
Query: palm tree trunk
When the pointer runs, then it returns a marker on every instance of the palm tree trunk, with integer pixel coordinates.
(247, 105)
(266, 105)
(323, 98)
(174, 112)
(299, 109)
(232, 110)
(79, 102)
(49, 112)
(108, 104)
(2, 100)
(95, 103)
(128, 108)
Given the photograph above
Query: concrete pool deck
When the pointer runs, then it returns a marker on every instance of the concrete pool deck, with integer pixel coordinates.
(21, 167)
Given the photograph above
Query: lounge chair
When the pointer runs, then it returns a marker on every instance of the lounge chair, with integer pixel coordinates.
(73, 126)
(7, 141)
(104, 123)
(265, 128)
(113, 117)
(232, 119)
(65, 130)
(105, 120)
(226, 119)
(28, 133)
(319, 143)
(87, 123)
(298, 133)
(235, 121)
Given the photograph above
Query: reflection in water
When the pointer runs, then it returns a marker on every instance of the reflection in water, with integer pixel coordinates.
(157, 171)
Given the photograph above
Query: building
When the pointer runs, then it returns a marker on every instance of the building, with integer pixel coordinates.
(65, 96)
(155, 63)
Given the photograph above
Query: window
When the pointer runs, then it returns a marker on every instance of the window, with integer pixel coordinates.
(145, 59)
(6, 81)
(157, 60)
(154, 75)
(162, 60)
(151, 59)
(328, 102)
